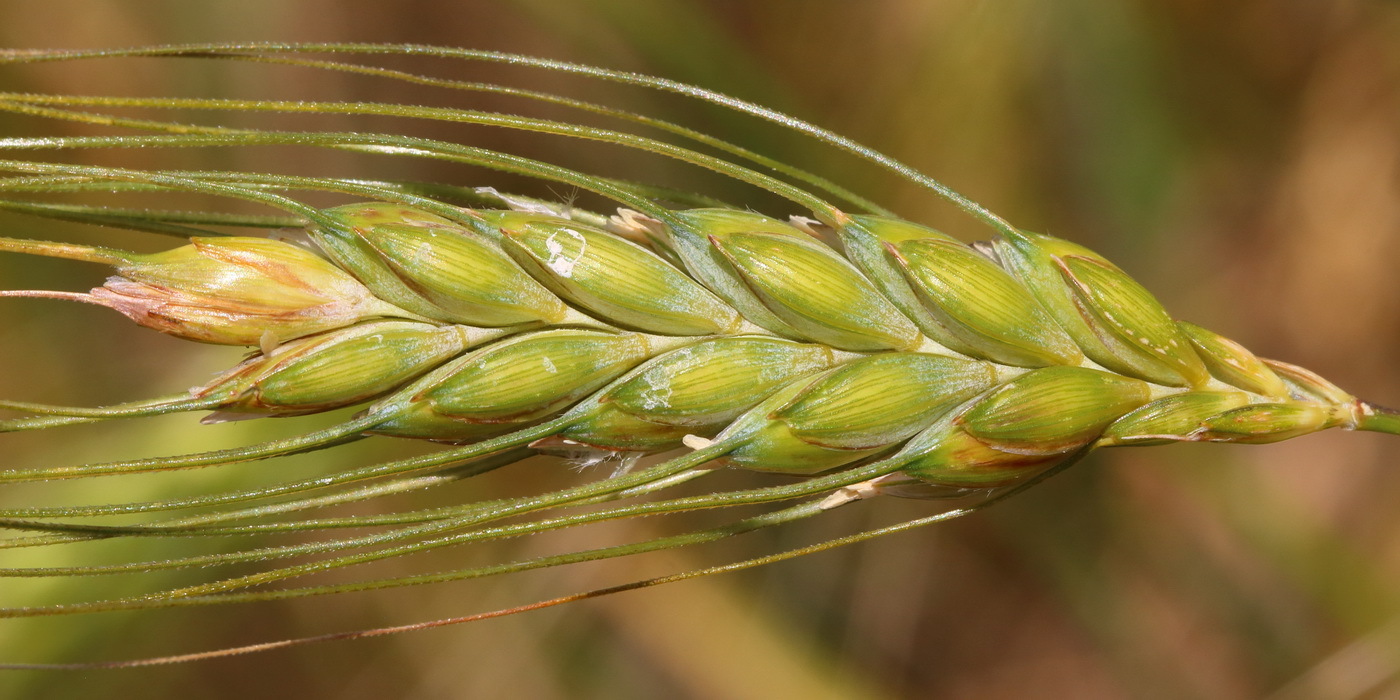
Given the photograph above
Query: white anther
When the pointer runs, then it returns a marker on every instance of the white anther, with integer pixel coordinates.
(847, 494)
(267, 342)
(809, 226)
(695, 442)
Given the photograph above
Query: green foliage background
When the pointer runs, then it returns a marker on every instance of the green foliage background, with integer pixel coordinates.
(1241, 159)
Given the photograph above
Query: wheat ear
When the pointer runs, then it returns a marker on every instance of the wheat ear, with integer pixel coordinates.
(866, 355)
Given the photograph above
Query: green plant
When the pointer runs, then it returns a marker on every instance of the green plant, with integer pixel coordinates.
(905, 364)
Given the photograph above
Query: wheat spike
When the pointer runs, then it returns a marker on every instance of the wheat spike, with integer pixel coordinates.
(868, 355)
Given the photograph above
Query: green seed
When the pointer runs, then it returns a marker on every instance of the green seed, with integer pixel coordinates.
(1021, 427)
(239, 291)
(880, 400)
(981, 310)
(761, 443)
(344, 244)
(1307, 385)
(1231, 363)
(617, 280)
(468, 278)
(952, 457)
(517, 380)
(817, 292)
(1116, 322)
(691, 242)
(1139, 329)
(697, 389)
(723, 222)
(854, 410)
(706, 383)
(1266, 422)
(1171, 418)
(340, 368)
(1053, 410)
(863, 243)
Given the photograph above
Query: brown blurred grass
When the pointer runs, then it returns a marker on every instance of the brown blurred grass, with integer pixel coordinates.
(1243, 160)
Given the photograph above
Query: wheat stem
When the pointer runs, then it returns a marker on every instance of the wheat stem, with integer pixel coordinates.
(1378, 419)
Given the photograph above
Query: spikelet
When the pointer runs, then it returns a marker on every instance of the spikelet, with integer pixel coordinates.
(898, 361)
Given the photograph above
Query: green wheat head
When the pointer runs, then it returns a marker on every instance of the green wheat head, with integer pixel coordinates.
(861, 355)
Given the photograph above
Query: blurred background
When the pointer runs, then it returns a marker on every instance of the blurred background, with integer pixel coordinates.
(1240, 159)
